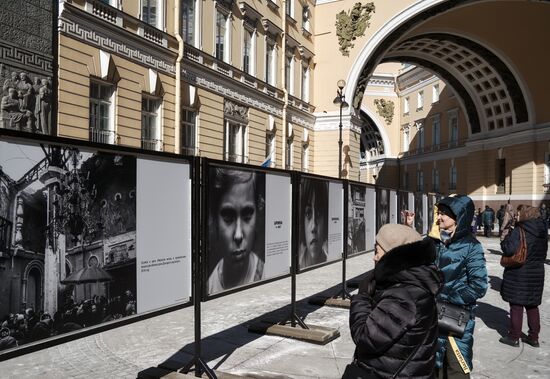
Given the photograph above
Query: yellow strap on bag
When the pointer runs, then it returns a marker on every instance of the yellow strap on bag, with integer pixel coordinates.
(459, 356)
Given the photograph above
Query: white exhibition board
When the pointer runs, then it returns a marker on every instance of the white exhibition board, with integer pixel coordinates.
(393, 207)
(278, 225)
(163, 234)
(370, 217)
(335, 221)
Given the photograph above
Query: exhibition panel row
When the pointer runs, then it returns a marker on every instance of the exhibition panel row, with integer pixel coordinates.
(93, 237)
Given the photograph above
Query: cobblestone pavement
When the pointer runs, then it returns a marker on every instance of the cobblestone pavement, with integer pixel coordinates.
(228, 346)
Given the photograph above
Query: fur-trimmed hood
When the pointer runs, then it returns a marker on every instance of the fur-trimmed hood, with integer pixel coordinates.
(409, 264)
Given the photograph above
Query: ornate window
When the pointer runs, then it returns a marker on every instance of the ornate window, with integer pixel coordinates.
(150, 123)
(452, 178)
(188, 21)
(289, 164)
(249, 49)
(235, 132)
(102, 120)
(289, 72)
(188, 131)
(305, 81)
(435, 180)
(436, 132)
(152, 12)
(270, 63)
(222, 36)
(406, 137)
(453, 129)
(406, 105)
(419, 180)
(435, 93)
(420, 100)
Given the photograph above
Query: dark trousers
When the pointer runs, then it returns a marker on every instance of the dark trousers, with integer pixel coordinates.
(516, 321)
(451, 368)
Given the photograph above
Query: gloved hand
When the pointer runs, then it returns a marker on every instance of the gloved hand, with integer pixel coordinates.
(368, 284)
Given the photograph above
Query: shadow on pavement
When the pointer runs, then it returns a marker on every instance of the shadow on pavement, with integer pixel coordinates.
(495, 318)
(494, 251)
(224, 343)
(495, 282)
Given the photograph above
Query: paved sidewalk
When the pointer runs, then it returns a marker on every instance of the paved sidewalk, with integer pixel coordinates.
(229, 347)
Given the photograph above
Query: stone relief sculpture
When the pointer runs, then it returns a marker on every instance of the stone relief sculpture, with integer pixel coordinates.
(385, 109)
(25, 105)
(352, 24)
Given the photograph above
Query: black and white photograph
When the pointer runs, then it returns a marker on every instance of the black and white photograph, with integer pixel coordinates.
(314, 223)
(67, 239)
(383, 207)
(236, 228)
(356, 219)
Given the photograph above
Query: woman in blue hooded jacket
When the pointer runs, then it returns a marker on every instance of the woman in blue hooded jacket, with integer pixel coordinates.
(461, 259)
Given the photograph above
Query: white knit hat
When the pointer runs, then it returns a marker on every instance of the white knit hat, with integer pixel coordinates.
(391, 236)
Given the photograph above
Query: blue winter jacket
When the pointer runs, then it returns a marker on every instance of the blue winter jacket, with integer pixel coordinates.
(462, 262)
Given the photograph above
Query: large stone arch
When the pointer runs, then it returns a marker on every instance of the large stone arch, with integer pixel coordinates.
(380, 126)
(492, 103)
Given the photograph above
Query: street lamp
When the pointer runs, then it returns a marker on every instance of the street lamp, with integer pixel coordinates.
(340, 100)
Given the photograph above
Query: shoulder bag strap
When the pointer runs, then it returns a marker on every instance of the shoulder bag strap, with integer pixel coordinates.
(410, 356)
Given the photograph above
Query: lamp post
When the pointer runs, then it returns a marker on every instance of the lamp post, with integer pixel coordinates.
(340, 100)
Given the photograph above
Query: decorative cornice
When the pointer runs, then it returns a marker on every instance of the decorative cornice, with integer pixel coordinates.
(220, 85)
(26, 60)
(85, 28)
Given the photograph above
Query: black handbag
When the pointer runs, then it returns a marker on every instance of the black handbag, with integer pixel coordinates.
(354, 371)
(452, 318)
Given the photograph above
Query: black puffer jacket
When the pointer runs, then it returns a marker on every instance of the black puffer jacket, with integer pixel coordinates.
(524, 285)
(395, 310)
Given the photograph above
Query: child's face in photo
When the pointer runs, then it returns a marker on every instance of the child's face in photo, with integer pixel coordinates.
(313, 226)
(237, 222)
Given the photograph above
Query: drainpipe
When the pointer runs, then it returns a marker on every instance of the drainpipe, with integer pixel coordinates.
(177, 126)
(283, 76)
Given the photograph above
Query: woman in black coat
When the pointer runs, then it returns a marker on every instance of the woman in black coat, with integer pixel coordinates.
(522, 287)
(394, 317)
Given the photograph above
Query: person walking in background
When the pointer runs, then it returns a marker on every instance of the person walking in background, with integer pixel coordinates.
(478, 218)
(522, 286)
(461, 259)
(403, 284)
(488, 219)
(545, 215)
(500, 218)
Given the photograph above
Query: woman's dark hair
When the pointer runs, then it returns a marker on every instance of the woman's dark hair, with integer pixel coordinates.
(309, 187)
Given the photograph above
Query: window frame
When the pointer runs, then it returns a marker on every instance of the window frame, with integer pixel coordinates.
(289, 72)
(226, 46)
(190, 34)
(97, 132)
(435, 93)
(154, 142)
(240, 155)
(160, 13)
(406, 105)
(420, 100)
(270, 62)
(305, 81)
(185, 148)
(249, 65)
(453, 177)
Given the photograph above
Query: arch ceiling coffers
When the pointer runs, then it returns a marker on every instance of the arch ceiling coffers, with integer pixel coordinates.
(468, 66)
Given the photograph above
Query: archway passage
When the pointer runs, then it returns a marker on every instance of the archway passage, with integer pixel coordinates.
(486, 51)
(489, 91)
(371, 144)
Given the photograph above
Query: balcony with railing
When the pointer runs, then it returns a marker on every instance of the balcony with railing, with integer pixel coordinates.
(195, 55)
(151, 144)
(115, 15)
(102, 136)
